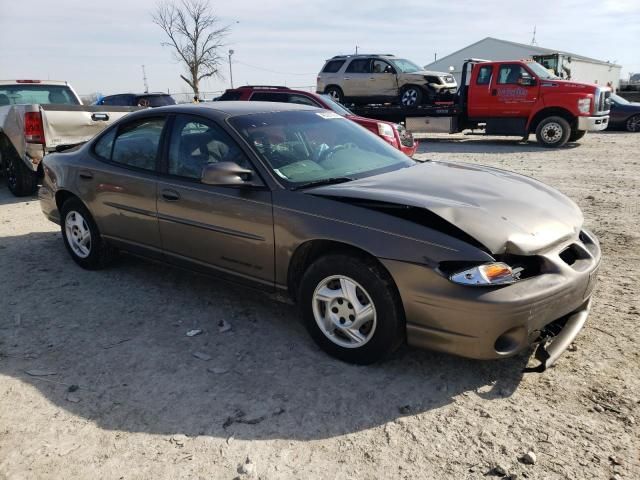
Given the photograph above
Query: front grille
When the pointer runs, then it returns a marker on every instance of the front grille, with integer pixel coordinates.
(602, 102)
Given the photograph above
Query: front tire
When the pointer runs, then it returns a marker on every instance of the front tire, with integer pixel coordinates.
(577, 135)
(633, 124)
(351, 308)
(553, 132)
(411, 96)
(82, 237)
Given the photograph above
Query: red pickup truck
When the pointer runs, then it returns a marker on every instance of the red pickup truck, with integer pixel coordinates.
(514, 98)
(393, 133)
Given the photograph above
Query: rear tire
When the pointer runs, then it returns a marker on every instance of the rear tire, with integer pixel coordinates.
(21, 181)
(335, 93)
(577, 135)
(553, 132)
(351, 308)
(633, 124)
(81, 236)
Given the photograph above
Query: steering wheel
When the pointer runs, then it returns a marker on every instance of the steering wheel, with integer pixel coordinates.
(327, 154)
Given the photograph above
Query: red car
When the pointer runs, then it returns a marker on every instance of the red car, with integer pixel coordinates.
(397, 135)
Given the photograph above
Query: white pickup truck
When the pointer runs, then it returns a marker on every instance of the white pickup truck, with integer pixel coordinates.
(41, 116)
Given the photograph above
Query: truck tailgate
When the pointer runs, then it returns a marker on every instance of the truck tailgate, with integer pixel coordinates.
(70, 124)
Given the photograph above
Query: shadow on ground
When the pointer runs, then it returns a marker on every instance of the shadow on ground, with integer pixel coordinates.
(8, 198)
(478, 144)
(120, 335)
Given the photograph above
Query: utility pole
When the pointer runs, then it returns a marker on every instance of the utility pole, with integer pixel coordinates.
(533, 40)
(435, 56)
(231, 52)
(144, 78)
(356, 49)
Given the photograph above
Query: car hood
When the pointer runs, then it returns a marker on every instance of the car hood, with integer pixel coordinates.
(505, 212)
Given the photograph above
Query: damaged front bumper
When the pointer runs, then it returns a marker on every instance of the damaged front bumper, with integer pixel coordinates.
(550, 307)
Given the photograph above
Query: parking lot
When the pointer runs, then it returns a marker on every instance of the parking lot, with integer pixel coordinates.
(99, 379)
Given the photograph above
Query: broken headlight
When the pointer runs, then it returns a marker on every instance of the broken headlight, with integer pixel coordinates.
(497, 273)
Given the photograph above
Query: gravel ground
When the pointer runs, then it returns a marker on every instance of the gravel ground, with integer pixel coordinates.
(98, 378)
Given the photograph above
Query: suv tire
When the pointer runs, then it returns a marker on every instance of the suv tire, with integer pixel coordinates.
(553, 132)
(335, 93)
(411, 96)
(351, 308)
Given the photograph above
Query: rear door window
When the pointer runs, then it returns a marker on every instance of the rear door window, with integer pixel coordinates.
(137, 143)
(359, 65)
(333, 66)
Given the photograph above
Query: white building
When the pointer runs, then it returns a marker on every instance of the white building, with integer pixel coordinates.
(575, 67)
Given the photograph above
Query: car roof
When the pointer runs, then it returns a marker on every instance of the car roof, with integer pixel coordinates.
(232, 108)
(149, 94)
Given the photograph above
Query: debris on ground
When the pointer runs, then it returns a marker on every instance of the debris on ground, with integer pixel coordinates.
(178, 440)
(405, 409)
(247, 468)
(194, 332)
(217, 370)
(224, 326)
(73, 398)
(73, 388)
(528, 458)
(202, 356)
(36, 372)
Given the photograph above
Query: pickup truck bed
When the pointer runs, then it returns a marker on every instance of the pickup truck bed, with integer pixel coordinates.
(30, 131)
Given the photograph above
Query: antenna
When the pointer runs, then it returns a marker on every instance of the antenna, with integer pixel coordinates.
(144, 78)
(533, 40)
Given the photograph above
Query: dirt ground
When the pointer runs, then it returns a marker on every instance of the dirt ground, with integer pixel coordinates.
(98, 378)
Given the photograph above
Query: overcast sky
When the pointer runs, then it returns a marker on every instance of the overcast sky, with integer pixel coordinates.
(99, 46)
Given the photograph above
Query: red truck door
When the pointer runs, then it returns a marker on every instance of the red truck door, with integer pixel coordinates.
(514, 91)
(480, 101)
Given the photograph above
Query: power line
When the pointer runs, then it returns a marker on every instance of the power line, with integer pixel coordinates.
(273, 71)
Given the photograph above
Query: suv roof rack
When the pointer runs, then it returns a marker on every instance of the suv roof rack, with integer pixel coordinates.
(265, 87)
(365, 55)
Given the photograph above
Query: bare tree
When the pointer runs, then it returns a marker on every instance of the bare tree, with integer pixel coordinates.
(195, 35)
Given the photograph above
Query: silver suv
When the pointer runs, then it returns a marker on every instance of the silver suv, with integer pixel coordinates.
(382, 78)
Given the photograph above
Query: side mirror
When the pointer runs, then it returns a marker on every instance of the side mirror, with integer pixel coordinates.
(527, 81)
(225, 174)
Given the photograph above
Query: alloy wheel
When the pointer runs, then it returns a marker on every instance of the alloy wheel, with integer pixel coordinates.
(344, 311)
(78, 234)
(410, 97)
(633, 124)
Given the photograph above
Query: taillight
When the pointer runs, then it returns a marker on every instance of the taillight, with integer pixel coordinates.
(33, 129)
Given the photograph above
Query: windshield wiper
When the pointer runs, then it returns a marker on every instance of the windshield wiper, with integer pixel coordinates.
(324, 181)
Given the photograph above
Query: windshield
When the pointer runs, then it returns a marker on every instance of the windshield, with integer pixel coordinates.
(27, 94)
(405, 66)
(304, 147)
(335, 106)
(541, 72)
(619, 100)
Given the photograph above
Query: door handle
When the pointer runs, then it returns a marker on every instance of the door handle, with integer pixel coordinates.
(494, 92)
(85, 174)
(170, 195)
(102, 117)
(347, 78)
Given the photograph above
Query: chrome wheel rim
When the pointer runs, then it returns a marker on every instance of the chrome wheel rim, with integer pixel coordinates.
(410, 97)
(551, 132)
(344, 311)
(633, 124)
(78, 234)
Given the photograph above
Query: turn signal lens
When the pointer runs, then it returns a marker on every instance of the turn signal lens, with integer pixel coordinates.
(497, 273)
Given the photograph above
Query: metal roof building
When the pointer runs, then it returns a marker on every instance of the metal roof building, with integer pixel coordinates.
(581, 68)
